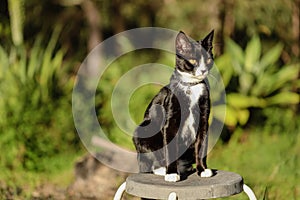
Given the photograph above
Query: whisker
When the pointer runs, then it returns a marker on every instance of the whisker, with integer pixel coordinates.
(211, 75)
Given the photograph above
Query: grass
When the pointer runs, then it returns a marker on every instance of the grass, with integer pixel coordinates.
(269, 164)
(22, 183)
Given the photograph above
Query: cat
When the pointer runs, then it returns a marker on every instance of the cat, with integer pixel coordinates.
(174, 132)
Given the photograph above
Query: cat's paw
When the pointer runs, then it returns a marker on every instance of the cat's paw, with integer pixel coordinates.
(206, 173)
(172, 177)
(162, 171)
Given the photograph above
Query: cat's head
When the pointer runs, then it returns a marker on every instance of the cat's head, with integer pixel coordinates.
(194, 59)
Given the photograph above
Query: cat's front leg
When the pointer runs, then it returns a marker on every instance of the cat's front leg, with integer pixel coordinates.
(200, 165)
(172, 175)
(171, 160)
(201, 154)
(201, 143)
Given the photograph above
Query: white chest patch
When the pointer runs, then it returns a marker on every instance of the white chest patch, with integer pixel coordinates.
(195, 92)
(189, 132)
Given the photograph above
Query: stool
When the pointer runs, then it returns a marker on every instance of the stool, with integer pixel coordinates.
(222, 184)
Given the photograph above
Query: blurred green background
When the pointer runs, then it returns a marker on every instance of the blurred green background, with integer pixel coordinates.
(256, 47)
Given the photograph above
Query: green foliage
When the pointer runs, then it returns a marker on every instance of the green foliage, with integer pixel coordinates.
(281, 121)
(254, 79)
(264, 161)
(16, 11)
(34, 107)
(260, 16)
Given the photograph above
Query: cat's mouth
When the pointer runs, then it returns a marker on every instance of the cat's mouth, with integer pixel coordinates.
(200, 77)
(201, 74)
(190, 78)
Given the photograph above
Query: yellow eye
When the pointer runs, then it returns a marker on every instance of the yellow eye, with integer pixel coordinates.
(209, 61)
(192, 61)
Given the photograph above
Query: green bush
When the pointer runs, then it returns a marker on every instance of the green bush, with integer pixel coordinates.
(35, 91)
(254, 79)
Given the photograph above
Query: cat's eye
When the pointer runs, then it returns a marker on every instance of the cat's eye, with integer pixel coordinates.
(192, 61)
(209, 61)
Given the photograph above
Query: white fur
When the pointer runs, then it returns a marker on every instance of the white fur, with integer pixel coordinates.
(195, 92)
(200, 68)
(189, 78)
(162, 171)
(172, 177)
(206, 173)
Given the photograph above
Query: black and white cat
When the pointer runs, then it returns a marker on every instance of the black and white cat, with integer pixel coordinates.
(174, 133)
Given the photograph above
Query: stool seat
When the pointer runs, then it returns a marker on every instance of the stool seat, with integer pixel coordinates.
(222, 184)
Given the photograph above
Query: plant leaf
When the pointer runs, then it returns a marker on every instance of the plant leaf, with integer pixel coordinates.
(231, 118)
(270, 57)
(287, 73)
(16, 12)
(243, 116)
(4, 61)
(252, 54)
(246, 82)
(237, 55)
(262, 85)
(237, 100)
(219, 112)
(284, 98)
(223, 63)
(35, 59)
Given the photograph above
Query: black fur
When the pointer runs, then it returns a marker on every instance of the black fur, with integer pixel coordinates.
(165, 137)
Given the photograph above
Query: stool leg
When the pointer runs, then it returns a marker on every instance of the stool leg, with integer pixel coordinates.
(249, 192)
(120, 191)
(172, 196)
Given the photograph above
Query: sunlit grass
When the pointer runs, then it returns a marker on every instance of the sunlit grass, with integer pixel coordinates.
(269, 164)
(60, 172)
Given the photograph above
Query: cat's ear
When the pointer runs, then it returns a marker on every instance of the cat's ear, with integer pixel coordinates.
(207, 41)
(183, 44)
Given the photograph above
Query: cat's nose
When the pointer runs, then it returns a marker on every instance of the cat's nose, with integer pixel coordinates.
(203, 71)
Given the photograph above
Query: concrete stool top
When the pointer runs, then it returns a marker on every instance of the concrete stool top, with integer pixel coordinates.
(222, 184)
